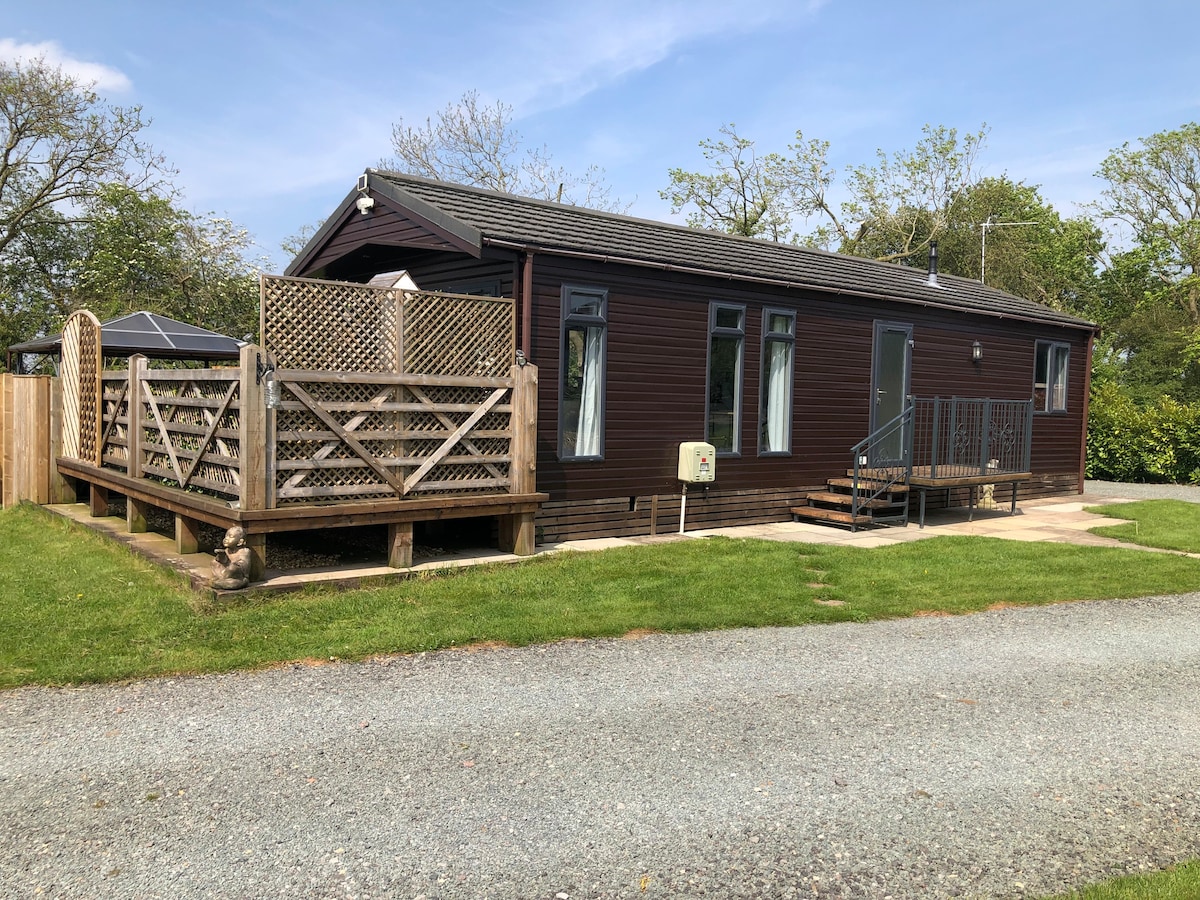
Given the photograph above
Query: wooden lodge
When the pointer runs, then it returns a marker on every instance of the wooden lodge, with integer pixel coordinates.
(801, 367)
(397, 382)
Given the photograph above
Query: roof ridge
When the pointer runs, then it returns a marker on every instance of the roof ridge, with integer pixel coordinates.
(499, 215)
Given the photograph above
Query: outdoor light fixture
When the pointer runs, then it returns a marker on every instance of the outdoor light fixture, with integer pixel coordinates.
(264, 374)
(976, 352)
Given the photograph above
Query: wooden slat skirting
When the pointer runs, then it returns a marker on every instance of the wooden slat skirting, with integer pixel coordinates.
(301, 518)
(563, 520)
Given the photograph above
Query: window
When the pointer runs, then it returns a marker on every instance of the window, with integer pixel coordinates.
(581, 394)
(726, 340)
(1050, 377)
(775, 386)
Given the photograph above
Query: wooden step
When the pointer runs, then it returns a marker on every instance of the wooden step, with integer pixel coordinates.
(829, 515)
(847, 500)
(867, 484)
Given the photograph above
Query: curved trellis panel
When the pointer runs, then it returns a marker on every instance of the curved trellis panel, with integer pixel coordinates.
(82, 363)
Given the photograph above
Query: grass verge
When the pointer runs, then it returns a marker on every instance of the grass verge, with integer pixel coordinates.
(1166, 524)
(75, 607)
(1178, 883)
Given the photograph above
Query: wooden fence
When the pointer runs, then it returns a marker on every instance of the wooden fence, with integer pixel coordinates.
(333, 436)
(30, 437)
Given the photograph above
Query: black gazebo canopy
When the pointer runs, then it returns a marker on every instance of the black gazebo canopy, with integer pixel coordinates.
(148, 333)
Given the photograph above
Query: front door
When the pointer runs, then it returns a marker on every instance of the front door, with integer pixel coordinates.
(891, 374)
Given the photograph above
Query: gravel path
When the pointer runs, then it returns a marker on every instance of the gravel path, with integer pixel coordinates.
(1010, 753)
(1188, 492)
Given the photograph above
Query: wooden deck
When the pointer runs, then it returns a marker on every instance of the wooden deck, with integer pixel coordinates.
(950, 477)
(835, 504)
(399, 515)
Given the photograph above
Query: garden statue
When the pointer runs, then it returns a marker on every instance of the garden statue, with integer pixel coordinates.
(231, 563)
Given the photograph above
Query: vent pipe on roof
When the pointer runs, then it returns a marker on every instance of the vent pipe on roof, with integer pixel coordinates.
(933, 264)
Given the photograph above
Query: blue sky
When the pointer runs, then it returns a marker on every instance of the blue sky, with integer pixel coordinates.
(270, 110)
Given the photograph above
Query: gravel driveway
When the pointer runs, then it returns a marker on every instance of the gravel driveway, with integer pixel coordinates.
(1010, 753)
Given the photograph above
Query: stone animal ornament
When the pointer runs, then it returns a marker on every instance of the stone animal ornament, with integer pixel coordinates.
(231, 562)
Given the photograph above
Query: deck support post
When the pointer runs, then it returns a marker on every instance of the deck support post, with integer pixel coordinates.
(400, 545)
(138, 372)
(252, 450)
(252, 431)
(187, 535)
(97, 501)
(135, 515)
(518, 534)
(257, 543)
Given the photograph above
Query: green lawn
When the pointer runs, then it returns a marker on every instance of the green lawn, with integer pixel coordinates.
(1179, 883)
(1168, 524)
(75, 607)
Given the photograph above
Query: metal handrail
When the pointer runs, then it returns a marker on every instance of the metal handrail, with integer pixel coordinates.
(940, 437)
(884, 471)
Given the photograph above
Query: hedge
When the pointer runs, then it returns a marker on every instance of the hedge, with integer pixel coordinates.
(1127, 442)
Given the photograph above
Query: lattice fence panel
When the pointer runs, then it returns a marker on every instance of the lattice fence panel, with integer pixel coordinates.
(336, 326)
(399, 426)
(451, 334)
(329, 325)
(188, 408)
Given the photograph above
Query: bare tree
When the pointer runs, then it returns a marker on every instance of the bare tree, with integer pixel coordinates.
(472, 143)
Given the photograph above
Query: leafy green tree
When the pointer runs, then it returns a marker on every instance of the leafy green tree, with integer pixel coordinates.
(58, 144)
(907, 200)
(895, 208)
(1155, 190)
(1031, 251)
(744, 193)
(140, 251)
(1150, 293)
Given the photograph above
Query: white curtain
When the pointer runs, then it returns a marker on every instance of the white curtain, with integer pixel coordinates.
(588, 441)
(1058, 380)
(778, 409)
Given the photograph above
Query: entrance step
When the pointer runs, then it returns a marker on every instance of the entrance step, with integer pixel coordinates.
(836, 506)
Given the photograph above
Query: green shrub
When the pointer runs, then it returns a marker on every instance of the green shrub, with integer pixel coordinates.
(1127, 442)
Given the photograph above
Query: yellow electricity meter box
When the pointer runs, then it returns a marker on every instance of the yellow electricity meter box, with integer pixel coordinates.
(697, 462)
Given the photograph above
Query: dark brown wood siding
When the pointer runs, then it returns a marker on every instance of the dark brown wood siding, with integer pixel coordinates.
(382, 227)
(657, 362)
(656, 369)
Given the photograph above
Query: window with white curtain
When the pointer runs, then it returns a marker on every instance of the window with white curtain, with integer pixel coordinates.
(726, 342)
(581, 390)
(775, 385)
(1050, 377)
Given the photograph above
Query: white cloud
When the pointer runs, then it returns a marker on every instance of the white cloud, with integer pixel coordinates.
(104, 78)
(586, 46)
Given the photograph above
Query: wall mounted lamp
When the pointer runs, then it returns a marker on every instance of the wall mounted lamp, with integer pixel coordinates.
(264, 374)
(976, 352)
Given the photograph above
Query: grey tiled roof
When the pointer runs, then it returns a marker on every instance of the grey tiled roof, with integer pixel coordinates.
(556, 226)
